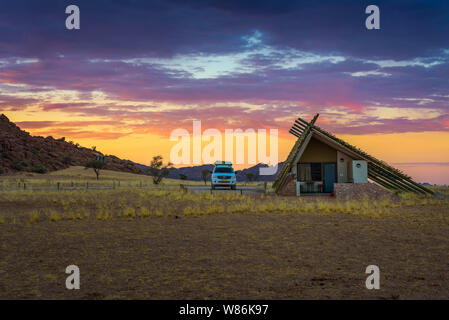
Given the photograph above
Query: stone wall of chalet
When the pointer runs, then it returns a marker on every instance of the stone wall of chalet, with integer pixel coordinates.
(288, 188)
(360, 190)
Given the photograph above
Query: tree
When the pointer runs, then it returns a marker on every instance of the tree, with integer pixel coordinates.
(39, 169)
(204, 175)
(97, 166)
(249, 176)
(182, 176)
(158, 170)
(67, 160)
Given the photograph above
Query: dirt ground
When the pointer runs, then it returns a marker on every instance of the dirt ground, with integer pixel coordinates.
(230, 256)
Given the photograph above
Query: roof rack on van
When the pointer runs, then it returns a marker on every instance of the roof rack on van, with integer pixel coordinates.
(223, 163)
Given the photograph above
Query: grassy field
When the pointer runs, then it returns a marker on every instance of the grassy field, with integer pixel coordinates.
(168, 243)
(80, 177)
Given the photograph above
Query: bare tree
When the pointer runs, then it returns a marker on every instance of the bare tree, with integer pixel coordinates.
(204, 175)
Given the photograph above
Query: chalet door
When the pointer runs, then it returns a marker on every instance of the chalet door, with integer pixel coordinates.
(329, 177)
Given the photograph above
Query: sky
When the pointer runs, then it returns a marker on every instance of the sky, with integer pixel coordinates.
(137, 70)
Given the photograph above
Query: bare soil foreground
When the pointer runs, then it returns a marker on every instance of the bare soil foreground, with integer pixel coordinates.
(173, 244)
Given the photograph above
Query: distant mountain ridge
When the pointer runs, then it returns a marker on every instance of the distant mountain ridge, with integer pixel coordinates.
(19, 151)
(241, 174)
(194, 173)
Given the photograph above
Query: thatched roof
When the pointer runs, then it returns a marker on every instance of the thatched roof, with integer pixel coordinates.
(378, 171)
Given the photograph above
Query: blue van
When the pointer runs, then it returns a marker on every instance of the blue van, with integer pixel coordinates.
(223, 175)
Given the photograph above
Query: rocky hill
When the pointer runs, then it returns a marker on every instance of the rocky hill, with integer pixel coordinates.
(19, 151)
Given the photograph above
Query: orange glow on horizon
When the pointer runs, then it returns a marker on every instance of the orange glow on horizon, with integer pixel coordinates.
(422, 147)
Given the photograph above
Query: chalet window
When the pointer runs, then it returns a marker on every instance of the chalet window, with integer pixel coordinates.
(315, 169)
(309, 172)
(305, 173)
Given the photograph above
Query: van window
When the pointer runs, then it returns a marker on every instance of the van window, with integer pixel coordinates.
(223, 170)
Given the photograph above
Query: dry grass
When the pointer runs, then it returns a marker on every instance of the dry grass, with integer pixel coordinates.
(135, 203)
(150, 244)
(79, 177)
(170, 243)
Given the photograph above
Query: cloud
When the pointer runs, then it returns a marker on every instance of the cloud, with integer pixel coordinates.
(155, 65)
(398, 125)
(61, 124)
(111, 29)
(81, 134)
(12, 103)
(369, 73)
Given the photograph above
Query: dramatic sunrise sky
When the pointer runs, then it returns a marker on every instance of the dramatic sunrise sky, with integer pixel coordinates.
(136, 70)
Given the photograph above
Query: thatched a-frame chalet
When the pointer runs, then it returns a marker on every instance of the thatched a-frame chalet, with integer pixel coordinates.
(319, 162)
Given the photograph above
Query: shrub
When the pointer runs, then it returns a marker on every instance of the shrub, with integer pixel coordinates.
(249, 176)
(67, 160)
(129, 212)
(54, 216)
(18, 166)
(40, 169)
(34, 217)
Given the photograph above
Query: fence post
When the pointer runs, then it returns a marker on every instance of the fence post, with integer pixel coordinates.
(87, 185)
(58, 186)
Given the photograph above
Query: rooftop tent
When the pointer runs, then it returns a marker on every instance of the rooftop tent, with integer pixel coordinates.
(309, 136)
